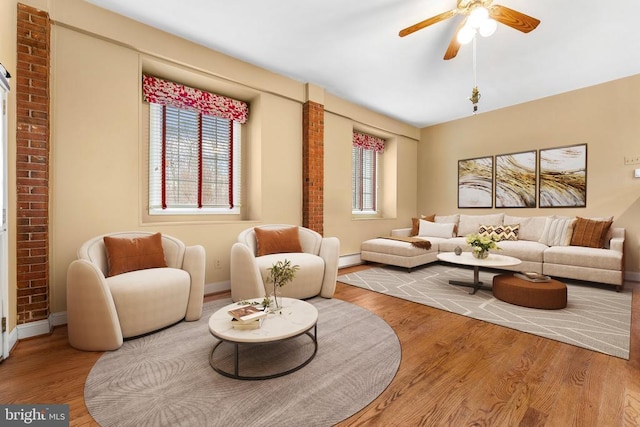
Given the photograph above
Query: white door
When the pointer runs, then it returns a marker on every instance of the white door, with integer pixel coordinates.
(4, 255)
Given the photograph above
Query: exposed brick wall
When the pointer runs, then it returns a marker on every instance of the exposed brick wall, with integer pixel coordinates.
(313, 166)
(32, 164)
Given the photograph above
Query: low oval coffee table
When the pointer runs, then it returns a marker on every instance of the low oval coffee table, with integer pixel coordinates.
(466, 258)
(296, 318)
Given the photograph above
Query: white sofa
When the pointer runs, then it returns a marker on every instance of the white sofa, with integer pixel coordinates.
(603, 265)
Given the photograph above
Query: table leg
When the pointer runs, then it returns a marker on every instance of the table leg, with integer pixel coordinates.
(236, 358)
(476, 284)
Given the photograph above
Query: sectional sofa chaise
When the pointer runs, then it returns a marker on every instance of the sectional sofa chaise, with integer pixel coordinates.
(588, 249)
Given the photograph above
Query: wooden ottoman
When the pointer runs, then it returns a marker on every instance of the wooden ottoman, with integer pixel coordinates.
(550, 295)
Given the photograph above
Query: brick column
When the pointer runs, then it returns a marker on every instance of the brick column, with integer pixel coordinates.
(313, 166)
(32, 164)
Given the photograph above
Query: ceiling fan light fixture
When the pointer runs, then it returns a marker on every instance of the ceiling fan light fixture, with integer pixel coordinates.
(477, 16)
(466, 34)
(488, 27)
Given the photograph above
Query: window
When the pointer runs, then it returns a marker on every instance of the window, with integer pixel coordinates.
(202, 162)
(364, 178)
(194, 149)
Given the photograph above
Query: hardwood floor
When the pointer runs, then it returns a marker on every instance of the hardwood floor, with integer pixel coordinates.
(455, 371)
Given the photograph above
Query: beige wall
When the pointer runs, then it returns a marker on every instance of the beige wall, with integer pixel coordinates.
(605, 117)
(98, 141)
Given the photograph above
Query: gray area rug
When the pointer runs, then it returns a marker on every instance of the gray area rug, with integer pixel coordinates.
(164, 379)
(596, 318)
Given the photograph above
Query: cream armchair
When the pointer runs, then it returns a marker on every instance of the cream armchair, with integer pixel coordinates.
(318, 263)
(102, 310)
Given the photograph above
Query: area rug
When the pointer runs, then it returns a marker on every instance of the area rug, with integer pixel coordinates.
(596, 318)
(164, 379)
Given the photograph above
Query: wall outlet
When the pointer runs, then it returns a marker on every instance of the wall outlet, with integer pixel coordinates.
(631, 160)
(217, 265)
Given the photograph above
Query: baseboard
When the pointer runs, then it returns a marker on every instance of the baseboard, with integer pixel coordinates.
(632, 276)
(57, 319)
(33, 329)
(349, 260)
(216, 287)
(13, 340)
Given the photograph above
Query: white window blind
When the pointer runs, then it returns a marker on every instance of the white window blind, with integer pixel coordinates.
(364, 180)
(194, 162)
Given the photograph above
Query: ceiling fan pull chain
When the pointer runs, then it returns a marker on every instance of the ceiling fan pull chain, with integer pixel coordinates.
(475, 93)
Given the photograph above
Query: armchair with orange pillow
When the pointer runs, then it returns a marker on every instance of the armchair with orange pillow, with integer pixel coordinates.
(131, 283)
(258, 248)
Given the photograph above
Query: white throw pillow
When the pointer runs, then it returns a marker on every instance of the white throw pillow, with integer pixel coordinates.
(433, 229)
(557, 231)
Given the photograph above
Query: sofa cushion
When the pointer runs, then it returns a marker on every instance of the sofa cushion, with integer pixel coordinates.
(524, 250)
(590, 233)
(131, 254)
(433, 229)
(307, 281)
(415, 223)
(274, 241)
(469, 224)
(500, 232)
(580, 256)
(158, 299)
(396, 247)
(531, 227)
(450, 245)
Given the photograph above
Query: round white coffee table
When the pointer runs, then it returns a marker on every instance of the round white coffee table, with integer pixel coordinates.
(296, 318)
(466, 258)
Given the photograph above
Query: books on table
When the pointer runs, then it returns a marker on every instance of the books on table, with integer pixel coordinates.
(247, 317)
(532, 276)
(253, 324)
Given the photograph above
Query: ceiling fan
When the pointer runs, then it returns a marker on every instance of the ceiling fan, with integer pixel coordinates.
(480, 17)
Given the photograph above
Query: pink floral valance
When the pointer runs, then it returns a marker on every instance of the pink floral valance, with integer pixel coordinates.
(368, 142)
(164, 92)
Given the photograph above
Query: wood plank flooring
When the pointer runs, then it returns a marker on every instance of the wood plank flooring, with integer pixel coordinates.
(455, 371)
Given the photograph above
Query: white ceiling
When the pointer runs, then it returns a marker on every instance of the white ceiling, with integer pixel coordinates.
(351, 48)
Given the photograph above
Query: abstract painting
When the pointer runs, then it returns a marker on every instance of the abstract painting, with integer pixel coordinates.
(475, 183)
(516, 180)
(563, 177)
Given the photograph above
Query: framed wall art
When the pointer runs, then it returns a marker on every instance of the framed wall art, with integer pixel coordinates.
(563, 177)
(516, 180)
(475, 183)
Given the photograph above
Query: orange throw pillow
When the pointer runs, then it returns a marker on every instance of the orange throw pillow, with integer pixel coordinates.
(590, 233)
(139, 253)
(278, 241)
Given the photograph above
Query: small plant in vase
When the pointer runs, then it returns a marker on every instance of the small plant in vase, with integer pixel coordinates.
(480, 245)
(281, 273)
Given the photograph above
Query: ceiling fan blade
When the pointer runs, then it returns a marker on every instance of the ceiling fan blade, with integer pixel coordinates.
(427, 22)
(454, 44)
(513, 18)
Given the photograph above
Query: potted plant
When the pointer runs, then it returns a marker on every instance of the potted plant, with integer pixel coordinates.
(480, 245)
(281, 273)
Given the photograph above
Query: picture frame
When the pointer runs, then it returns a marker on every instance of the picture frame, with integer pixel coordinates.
(516, 180)
(475, 182)
(562, 181)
